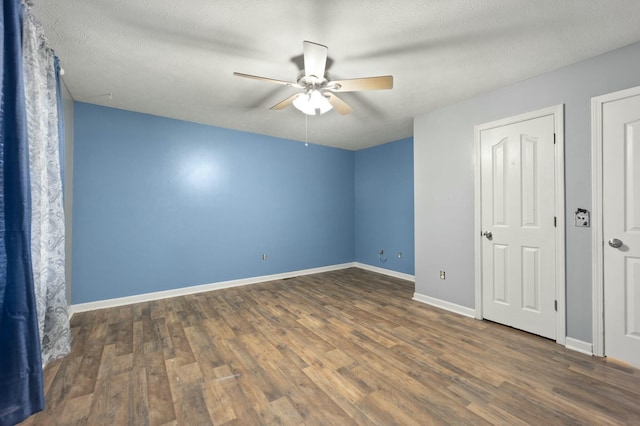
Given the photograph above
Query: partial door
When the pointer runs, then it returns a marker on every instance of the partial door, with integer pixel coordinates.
(518, 225)
(621, 227)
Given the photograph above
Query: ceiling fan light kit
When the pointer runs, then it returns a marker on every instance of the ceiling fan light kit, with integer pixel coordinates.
(319, 90)
(312, 102)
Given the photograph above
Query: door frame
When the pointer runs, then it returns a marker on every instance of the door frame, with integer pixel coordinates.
(558, 114)
(597, 251)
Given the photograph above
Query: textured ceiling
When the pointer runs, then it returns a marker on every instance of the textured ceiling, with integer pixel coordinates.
(176, 58)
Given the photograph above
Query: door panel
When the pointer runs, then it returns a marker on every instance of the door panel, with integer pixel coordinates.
(632, 290)
(621, 220)
(499, 183)
(529, 179)
(530, 279)
(500, 274)
(632, 178)
(517, 171)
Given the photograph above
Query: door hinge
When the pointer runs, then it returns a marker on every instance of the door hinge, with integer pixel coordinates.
(555, 305)
(555, 221)
(554, 138)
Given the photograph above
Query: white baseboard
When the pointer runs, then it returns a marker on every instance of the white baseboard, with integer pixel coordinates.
(443, 304)
(578, 346)
(121, 301)
(384, 271)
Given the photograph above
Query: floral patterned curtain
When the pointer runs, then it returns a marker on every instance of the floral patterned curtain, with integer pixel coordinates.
(47, 214)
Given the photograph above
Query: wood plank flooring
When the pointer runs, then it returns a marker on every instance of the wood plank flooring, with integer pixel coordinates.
(338, 348)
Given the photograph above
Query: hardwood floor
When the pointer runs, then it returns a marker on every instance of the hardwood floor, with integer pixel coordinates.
(344, 347)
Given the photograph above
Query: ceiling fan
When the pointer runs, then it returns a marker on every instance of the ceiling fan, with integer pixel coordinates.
(319, 94)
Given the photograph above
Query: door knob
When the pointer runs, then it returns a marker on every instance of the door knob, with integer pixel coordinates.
(615, 243)
(488, 234)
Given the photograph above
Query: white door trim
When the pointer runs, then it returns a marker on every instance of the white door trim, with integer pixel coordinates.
(597, 244)
(558, 113)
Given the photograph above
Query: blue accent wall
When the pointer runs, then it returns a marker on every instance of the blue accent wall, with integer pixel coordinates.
(384, 206)
(161, 204)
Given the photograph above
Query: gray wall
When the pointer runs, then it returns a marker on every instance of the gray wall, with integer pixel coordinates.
(67, 111)
(444, 164)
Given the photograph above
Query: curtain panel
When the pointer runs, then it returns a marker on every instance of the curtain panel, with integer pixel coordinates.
(34, 322)
(47, 214)
(21, 386)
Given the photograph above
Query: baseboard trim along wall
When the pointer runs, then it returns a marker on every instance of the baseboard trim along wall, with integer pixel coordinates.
(443, 304)
(570, 343)
(578, 346)
(146, 297)
(383, 271)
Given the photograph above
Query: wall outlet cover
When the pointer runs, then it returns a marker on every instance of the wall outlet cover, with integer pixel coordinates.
(582, 218)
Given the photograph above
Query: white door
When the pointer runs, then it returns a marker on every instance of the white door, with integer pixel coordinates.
(518, 225)
(621, 227)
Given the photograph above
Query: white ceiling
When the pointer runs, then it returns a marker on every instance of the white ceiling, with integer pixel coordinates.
(176, 58)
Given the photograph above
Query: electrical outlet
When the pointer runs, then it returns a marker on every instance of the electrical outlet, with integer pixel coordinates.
(582, 218)
(442, 275)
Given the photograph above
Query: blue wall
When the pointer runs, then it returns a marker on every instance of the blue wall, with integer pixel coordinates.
(162, 204)
(384, 206)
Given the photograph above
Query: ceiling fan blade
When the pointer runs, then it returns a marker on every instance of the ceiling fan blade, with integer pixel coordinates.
(338, 104)
(286, 102)
(315, 59)
(270, 80)
(360, 84)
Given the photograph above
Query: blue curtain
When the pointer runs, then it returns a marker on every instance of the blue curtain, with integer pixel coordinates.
(21, 385)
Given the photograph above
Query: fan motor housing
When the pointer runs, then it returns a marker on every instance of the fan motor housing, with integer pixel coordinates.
(312, 81)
